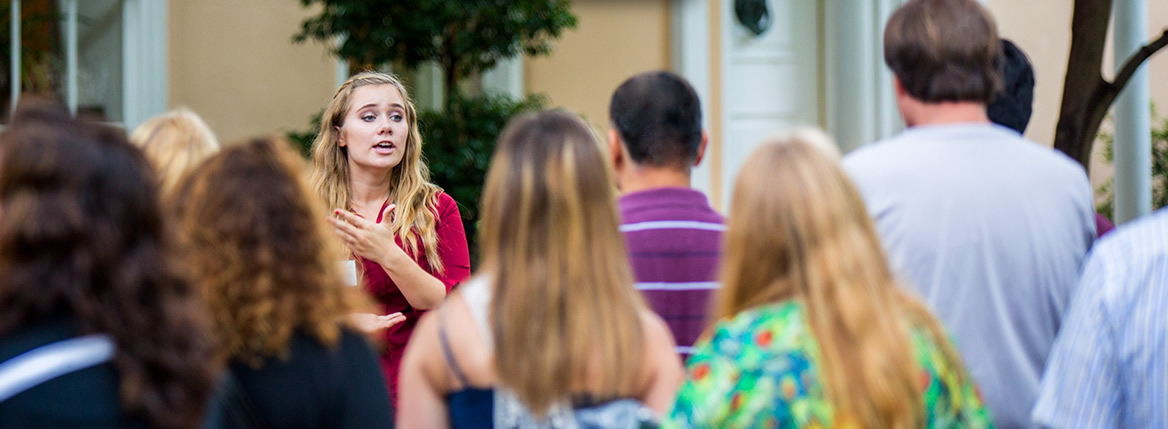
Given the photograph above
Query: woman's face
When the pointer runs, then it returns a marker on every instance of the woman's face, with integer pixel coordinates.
(374, 130)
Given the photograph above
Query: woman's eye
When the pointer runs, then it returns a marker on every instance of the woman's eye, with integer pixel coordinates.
(396, 117)
(368, 118)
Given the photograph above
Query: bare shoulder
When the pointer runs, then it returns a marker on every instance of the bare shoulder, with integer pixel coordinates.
(654, 327)
(662, 365)
(660, 346)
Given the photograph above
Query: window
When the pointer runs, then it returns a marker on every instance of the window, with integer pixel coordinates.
(104, 59)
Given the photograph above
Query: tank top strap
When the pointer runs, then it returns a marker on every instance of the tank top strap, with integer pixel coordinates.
(447, 352)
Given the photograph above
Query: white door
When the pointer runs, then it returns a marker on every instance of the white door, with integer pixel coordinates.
(770, 82)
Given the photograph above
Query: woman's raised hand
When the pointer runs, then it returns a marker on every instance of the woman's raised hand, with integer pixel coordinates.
(368, 239)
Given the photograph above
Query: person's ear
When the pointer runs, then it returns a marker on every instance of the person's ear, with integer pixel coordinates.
(616, 149)
(701, 149)
(340, 136)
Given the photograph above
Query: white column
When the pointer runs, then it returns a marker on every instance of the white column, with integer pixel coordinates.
(14, 74)
(851, 60)
(145, 91)
(71, 55)
(506, 77)
(690, 40)
(1133, 144)
(342, 65)
(888, 120)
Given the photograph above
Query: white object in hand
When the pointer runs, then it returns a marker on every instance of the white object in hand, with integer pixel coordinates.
(349, 272)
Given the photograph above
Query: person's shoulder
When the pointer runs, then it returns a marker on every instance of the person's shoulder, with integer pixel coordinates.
(443, 201)
(1056, 161)
(655, 328)
(354, 341)
(878, 151)
(1144, 240)
(758, 335)
(444, 204)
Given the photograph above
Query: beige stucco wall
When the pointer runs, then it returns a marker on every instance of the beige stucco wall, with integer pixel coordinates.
(234, 63)
(613, 40)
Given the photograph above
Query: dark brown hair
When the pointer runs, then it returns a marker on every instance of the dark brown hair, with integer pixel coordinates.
(943, 50)
(82, 236)
(253, 229)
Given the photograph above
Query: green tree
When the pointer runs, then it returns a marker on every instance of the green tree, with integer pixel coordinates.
(465, 38)
(1159, 166)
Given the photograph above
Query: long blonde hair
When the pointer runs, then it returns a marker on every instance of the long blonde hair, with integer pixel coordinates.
(409, 182)
(174, 143)
(564, 309)
(798, 230)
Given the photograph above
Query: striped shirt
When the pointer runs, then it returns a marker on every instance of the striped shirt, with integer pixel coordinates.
(1109, 366)
(675, 244)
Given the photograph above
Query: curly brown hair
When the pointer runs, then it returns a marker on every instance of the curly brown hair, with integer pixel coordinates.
(82, 235)
(250, 224)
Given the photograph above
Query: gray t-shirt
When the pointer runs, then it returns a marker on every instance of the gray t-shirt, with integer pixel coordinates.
(990, 230)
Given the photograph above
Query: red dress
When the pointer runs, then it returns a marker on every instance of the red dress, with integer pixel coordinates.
(452, 249)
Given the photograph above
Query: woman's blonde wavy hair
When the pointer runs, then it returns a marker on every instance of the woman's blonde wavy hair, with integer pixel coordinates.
(564, 310)
(409, 184)
(798, 230)
(253, 230)
(174, 143)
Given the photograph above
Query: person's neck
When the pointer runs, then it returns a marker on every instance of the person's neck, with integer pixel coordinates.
(367, 187)
(951, 113)
(646, 178)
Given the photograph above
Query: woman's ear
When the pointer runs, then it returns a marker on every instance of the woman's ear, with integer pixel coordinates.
(340, 136)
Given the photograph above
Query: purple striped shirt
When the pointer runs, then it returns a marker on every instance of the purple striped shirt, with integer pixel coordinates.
(674, 239)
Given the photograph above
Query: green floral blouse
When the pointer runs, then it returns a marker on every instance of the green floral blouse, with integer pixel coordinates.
(759, 369)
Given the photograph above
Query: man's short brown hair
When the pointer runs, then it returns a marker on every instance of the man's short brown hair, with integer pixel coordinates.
(943, 50)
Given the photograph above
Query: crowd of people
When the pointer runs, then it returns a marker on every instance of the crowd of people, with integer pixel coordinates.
(949, 276)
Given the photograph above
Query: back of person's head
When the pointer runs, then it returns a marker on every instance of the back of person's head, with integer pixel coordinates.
(565, 311)
(252, 227)
(1014, 103)
(175, 143)
(943, 50)
(82, 238)
(795, 208)
(659, 119)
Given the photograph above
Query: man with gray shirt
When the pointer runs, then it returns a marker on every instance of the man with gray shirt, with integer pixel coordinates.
(988, 228)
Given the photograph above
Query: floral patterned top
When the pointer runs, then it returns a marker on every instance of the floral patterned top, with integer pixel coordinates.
(759, 369)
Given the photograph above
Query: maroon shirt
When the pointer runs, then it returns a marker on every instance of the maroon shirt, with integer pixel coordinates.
(674, 240)
(452, 249)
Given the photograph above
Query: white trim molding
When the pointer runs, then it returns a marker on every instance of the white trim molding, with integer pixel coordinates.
(145, 69)
(689, 44)
(1133, 164)
(861, 107)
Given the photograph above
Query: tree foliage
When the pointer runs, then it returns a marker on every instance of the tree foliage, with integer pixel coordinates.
(1159, 167)
(459, 143)
(465, 37)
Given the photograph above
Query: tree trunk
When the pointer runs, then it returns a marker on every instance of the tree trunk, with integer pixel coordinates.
(1086, 96)
(1082, 111)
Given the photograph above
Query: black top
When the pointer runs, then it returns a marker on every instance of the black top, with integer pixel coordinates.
(85, 398)
(319, 387)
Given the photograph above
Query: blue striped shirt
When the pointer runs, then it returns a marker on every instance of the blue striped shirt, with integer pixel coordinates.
(1109, 365)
